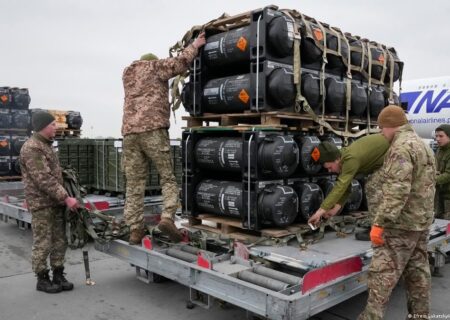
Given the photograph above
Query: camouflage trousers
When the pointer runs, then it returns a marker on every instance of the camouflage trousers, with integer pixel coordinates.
(49, 238)
(442, 207)
(138, 149)
(404, 254)
(373, 196)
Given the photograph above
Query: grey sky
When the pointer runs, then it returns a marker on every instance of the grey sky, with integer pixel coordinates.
(71, 54)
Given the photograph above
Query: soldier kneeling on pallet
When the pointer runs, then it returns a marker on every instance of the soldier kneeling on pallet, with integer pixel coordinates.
(364, 156)
(47, 200)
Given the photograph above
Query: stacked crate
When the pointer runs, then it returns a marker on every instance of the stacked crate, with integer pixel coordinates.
(78, 154)
(277, 80)
(14, 128)
(99, 164)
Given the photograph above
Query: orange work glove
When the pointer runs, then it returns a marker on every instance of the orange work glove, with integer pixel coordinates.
(376, 235)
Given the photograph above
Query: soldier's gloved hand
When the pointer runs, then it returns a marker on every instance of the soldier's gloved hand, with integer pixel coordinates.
(376, 235)
(71, 203)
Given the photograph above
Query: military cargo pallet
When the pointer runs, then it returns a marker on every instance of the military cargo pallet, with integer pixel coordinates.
(67, 133)
(233, 228)
(272, 120)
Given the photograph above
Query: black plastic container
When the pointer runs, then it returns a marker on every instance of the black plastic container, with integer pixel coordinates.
(20, 98)
(276, 205)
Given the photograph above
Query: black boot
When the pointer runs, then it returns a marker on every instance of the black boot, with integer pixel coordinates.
(363, 235)
(44, 283)
(58, 278)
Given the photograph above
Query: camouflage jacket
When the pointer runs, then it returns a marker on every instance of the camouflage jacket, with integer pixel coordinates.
(363, 156)
(409, 175)
(146, 106)
(41, 174)
(443, 169)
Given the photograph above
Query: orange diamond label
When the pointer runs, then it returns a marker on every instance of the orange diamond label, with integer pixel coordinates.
(318, 34)
(243, 96)
(381, 58)
(315, 154)
(242, 44)
(3, 143)
(4, 98)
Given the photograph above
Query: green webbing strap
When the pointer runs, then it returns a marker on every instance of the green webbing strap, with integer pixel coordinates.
(383, 72)
(391, 77)
(342, 224)
(369, 83)
(79, 224)
(322, 73)
(348, 92)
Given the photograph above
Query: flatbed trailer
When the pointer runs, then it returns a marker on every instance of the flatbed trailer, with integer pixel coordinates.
(13, 206)
(296, 283)
(329, 272)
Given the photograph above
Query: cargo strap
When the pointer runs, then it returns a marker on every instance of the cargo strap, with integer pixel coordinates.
(369, 83)
(391, 77)
(79, 226)
(300, 101)
(174, 87)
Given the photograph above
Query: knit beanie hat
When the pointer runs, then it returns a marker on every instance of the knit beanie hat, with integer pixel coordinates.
(328, 152)
(40, 120)
(149, 57)
(445, 128)
(392, 116)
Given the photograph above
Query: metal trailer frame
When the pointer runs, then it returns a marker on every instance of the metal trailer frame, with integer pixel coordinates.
(12, 204)
(220, 281)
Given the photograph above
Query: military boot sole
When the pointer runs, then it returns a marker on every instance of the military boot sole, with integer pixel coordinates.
(53, 289)
(67, 286)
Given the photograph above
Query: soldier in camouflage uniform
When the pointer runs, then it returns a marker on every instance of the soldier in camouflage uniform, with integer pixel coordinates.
(46, 199)
(364, 156)
(146, 119)
(442, 202)
(399, 234)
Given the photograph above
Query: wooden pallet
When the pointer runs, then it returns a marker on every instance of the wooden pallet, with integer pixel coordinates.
(69, 133)
(234, 229)
(272, 119)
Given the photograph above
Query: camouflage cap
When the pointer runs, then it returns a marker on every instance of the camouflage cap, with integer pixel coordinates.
(328, 152)
(149, 57)
(40, 120)
(445, 128)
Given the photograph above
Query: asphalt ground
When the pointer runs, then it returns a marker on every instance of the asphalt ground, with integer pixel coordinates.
(118, 295)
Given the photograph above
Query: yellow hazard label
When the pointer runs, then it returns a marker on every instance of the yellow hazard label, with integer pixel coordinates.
(318, 34)
(242, 44)
(243, 96)
(315, 154)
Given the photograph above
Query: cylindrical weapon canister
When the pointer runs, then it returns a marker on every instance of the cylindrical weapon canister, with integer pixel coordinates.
(309, 154)
(355, 198)
(358, 99)
(277, 155)
(276, 204)
(335, 97)
(310, 198)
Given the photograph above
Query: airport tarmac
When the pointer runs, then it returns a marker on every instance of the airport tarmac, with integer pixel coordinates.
(118, 295)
